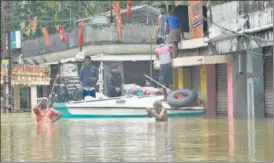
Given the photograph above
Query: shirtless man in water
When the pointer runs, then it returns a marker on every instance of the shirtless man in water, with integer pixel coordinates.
(159, 112)
(44, 113)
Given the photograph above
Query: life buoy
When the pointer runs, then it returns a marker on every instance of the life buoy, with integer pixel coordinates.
(190, 97)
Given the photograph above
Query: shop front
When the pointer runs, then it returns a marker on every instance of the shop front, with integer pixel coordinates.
(195, 72)
(25, 79)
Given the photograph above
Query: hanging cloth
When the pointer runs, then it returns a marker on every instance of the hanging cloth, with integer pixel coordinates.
(119, 23)
(81, 35)
(129, 11)
(62, 34)
(46, 36)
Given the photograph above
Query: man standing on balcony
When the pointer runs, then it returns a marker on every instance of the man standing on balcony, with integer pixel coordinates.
(88, 78)
(161, 22)
(173, 30)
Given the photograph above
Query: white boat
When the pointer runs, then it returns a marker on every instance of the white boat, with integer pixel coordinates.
(120, 107)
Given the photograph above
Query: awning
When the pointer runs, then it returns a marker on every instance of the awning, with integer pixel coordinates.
(131, 49)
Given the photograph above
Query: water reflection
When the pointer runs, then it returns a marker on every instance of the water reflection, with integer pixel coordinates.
(188, 139)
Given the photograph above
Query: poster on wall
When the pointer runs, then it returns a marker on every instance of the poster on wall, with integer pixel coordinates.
(69, 70)
(4, 67)
(195, 12)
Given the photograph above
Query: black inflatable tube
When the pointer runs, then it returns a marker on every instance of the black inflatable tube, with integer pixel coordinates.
(190, 97)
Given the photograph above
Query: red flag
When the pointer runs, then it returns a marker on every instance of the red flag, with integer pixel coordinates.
(61, 31)
(81, 35)
(129, 5)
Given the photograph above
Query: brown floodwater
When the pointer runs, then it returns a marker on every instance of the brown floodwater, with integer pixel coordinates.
(181, 139)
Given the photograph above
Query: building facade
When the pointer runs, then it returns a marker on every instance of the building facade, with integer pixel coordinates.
(25, 81)
(235, 67)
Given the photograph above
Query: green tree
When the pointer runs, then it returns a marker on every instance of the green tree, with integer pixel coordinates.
(52, 13)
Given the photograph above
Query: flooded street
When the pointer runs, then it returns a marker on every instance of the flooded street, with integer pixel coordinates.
(182, 139)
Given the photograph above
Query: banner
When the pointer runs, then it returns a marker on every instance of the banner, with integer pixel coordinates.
(5, 67)
(15, 40)
(195, 12)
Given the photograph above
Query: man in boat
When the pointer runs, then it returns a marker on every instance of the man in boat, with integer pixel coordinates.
(114, 82)
(158, 111)
(88, 78)
(161, 22)
(44, 113)
(163, 53)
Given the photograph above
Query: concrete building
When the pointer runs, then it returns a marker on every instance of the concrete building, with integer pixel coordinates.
(132, 53)
(232, 66)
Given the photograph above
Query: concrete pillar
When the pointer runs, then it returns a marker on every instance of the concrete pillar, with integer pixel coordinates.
(203, 85)
(211, 91)
(33, 96)
(175, 78)
(255, 83)
(16, 98)
(239, 85)
(180, 73)
(230, 90)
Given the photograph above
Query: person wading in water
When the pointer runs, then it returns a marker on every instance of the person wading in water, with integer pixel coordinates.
(158, 111)
(44, 113)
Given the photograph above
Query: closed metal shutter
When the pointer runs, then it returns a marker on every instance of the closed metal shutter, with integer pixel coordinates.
(268, 85)
(195, 78)
(221, 87)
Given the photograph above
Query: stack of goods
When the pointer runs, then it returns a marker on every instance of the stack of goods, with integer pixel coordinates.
(133, 89)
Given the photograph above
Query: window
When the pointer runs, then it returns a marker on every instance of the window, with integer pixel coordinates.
(181, 11)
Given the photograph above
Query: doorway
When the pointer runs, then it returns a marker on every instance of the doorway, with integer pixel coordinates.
(25, 98)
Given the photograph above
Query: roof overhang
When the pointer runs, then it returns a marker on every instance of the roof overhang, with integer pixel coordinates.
(126, 50)
(201, 60)
(109, 58)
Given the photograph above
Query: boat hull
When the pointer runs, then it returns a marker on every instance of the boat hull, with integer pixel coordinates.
(90, 112)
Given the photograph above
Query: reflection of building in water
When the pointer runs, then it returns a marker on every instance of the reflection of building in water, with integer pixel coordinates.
(189, 140)
(164, 142)
(76, 136)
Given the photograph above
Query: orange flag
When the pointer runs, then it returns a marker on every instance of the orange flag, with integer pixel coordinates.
(46, 36)
(119, 22)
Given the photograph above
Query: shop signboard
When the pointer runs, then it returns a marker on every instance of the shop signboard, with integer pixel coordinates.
(195, 12)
